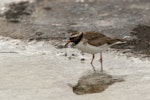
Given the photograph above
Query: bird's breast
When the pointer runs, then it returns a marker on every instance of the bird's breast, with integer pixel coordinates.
(85, 47)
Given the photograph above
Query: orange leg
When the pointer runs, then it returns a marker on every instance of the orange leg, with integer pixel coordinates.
(92, 62)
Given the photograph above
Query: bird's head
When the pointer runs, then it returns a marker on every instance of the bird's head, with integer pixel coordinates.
(75, 38)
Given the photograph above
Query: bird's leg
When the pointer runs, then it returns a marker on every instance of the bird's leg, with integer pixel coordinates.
(93, 56)
(92, 62)
(101, 61)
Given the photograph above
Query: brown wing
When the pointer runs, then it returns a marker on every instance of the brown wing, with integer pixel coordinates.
(92, 35)
(97, 39)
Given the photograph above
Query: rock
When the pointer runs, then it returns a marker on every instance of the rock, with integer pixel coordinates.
(82, 59)
(16, 10)
(140, 42)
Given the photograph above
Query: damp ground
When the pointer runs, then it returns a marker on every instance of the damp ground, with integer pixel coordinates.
(54, 20)
(37, 70)
(35, 65)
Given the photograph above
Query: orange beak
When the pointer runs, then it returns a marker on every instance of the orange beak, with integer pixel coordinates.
(67, 43)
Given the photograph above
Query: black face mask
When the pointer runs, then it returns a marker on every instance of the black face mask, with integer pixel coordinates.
(76, 40)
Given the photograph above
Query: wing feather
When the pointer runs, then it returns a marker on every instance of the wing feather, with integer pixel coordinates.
(97, 39)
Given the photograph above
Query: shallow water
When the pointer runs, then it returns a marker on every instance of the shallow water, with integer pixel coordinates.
(39, 71)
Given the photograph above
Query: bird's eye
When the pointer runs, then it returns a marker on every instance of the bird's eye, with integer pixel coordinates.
(71, 38)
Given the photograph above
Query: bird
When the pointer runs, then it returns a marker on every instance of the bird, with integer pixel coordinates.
(92, 42)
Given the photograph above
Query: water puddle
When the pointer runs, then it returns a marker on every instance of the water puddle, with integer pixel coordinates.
(95, 83)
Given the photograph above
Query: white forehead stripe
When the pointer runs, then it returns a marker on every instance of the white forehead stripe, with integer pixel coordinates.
(76, 35)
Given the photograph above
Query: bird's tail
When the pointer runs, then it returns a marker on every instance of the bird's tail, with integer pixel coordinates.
(118, 42)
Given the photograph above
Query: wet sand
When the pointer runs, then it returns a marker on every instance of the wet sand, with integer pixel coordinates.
(37, 70)
(35, 65)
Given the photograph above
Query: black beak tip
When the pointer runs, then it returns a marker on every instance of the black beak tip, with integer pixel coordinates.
(66, 44)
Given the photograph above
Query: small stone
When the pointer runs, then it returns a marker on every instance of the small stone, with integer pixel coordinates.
(65, 54)
(61, 46)
(43, 53)
(73, 54)
(82, 59)
(69, 58)
(47, 8)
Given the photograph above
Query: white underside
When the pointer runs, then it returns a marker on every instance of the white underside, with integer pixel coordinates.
(91, 49)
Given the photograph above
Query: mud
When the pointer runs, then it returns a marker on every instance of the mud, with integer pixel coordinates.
(17, 10)
(54, 20)
(140, 44)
